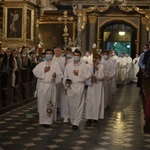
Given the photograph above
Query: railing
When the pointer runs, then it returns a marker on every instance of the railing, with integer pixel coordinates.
(22, 92)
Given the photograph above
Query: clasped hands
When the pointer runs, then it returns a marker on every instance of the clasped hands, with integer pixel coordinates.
(47, 68)
(76, 72)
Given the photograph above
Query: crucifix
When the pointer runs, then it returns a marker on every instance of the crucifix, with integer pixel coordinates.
(65, 18)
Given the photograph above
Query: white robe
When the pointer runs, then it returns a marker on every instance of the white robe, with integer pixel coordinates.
(114, 78)
(110, 72)
(95, 96)
(64, 110)
(75, 92)
(58, 60)
(123, 64)
(135, 68)
(88, 59)
(117, 70)
(129, 69)
(46, 90)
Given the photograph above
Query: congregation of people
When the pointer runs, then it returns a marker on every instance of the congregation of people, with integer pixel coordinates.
(70, 82)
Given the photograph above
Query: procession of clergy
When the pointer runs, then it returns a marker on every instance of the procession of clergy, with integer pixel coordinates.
(75, 84)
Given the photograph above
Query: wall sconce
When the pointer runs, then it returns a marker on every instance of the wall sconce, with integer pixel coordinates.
(121, 33)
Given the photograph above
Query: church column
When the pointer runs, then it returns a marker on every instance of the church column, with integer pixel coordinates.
(92, 31)
(79, 34)
(84, 45)
(79, 29)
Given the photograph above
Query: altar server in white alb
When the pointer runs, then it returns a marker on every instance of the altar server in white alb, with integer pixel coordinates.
(49, 75)
(75, 75)
(58, 58)
(129, 68)
(64, 112)
(135, 67)
(95, 94)
(123, 65)
(110, 72)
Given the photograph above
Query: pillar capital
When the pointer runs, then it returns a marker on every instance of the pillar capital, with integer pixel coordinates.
(92, 19)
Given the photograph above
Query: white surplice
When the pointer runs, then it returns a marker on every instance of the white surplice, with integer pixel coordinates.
(135, 68)
(123, 65)
(46, 90)
(110, 72)
(75, 92)
(114, 78)
(88, 59)
(58, 60)
(129, 69)
(64, 110)
(117, 70)
(95, 95)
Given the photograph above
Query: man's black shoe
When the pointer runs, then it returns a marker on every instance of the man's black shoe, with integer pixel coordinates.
(95, 122)
(45, 125)
(74, 127)
(89, 122)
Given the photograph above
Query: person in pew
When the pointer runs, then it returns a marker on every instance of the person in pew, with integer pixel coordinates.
(8, 66)
(25, 60)
(17, 57)
(48, 74)
(16, 74)
(141, 66)
(2, 52)
(32, 78)
(25, 69)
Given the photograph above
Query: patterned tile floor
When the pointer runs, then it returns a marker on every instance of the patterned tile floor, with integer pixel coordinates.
(120, 130)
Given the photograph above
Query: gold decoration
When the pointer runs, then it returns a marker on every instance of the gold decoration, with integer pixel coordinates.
(65, 18)
(125, 8)
(22, 40)
(112, 2)
(146, 21)
(50, 108)
(92, 19)
(82, 18)
(102, 9)
(145, 12)
(90, 9)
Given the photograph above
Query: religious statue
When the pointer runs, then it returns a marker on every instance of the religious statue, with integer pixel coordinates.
(70, 42)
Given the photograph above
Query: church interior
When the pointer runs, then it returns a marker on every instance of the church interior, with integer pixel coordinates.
(122, 26)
